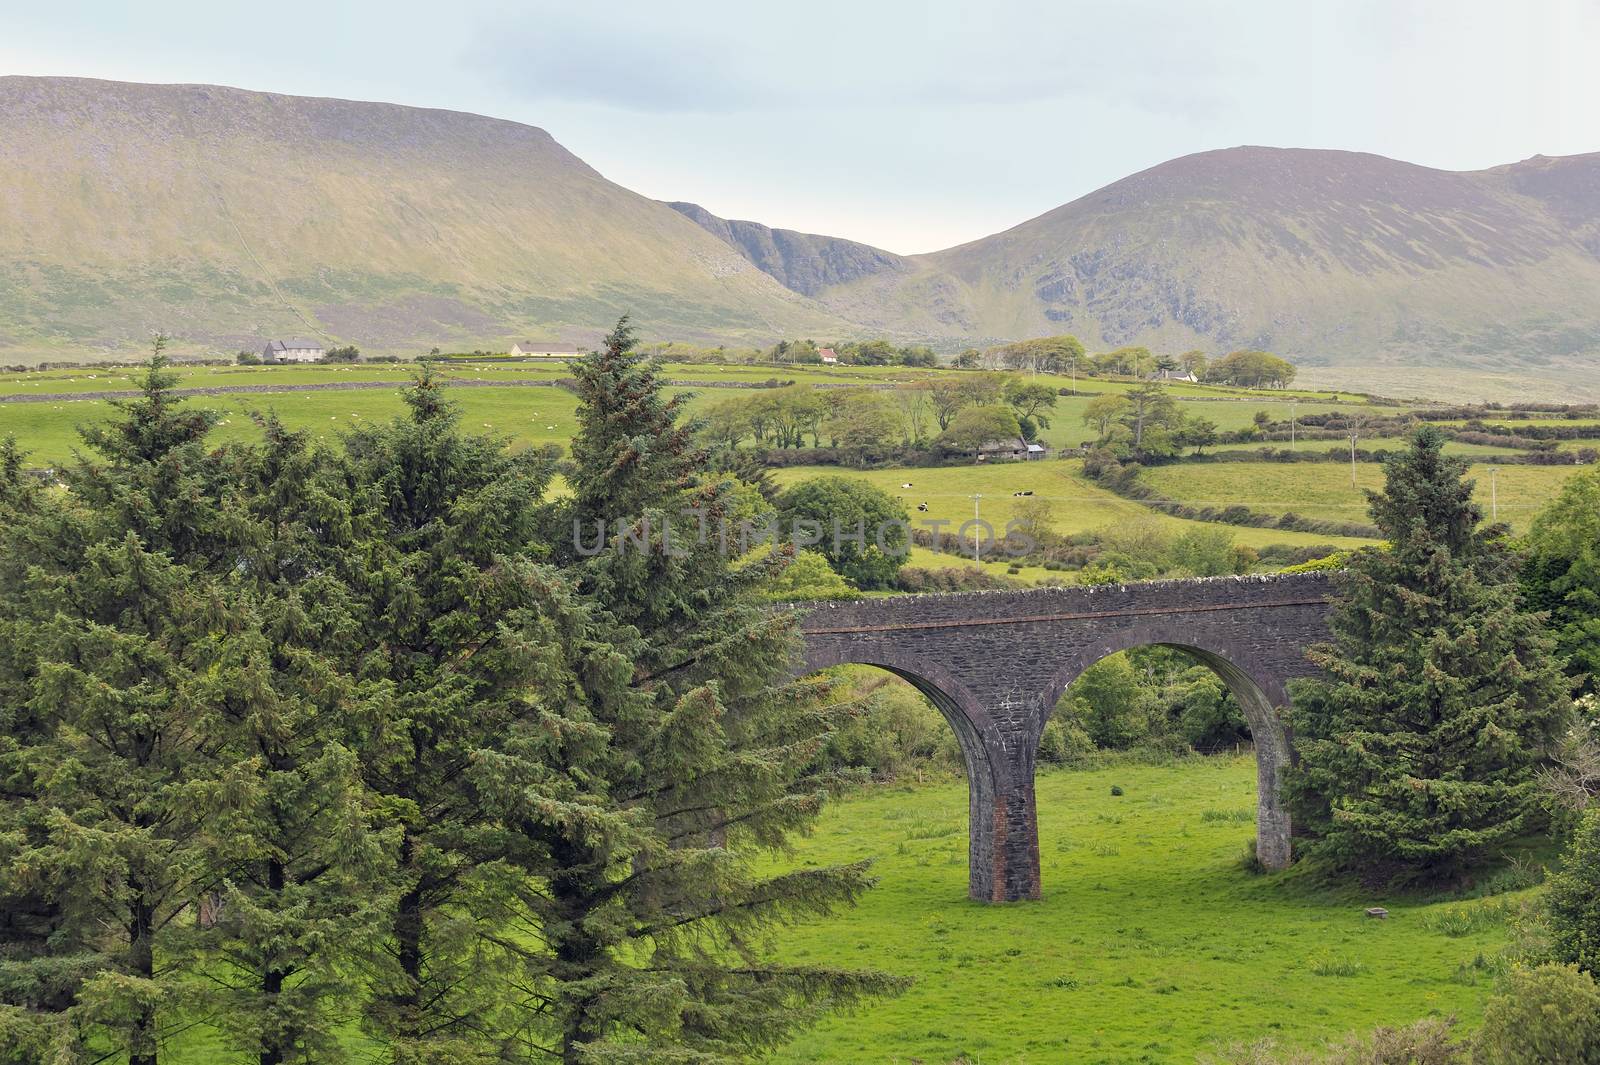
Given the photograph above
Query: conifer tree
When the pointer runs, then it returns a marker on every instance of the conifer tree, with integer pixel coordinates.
(301, 863)
(696, 754)
(111, 595)
(1441, 698)
(44, 959)
(439, 570)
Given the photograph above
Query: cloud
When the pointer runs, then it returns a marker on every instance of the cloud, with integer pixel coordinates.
(940, 54)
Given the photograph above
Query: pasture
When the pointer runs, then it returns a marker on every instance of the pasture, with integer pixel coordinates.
(1324, 490)
(1077, 503)
(1150, 945)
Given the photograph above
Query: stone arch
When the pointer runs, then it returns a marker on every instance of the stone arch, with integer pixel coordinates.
(1261, 694)
(993, 780)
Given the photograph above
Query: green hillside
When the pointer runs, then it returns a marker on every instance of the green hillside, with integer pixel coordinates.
(226, 218)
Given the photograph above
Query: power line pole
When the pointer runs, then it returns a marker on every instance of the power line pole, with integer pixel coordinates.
(1293, 403)
(1494, 493)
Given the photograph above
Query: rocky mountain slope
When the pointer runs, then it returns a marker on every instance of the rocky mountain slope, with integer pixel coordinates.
(804, 262)
(1322, 256)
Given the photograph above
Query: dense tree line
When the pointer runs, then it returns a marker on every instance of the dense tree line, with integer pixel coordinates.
(299, 740)
(948, 415)
(1061, 354)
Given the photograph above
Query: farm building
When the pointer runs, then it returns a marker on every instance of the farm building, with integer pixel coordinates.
(828, 356)
(293, 351)
(1012, 450)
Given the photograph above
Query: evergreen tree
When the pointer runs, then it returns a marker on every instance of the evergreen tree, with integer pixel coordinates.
(440, 573)
(44, 959)
(1441, 698)
(684, 748)
(113, 598)
(302, 870)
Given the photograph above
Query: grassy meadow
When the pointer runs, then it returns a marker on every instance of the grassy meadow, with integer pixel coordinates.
(1078, 504)
(1324, 490)
(541, 416)
(1150, 945)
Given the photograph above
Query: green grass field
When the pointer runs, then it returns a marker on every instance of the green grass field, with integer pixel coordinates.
(1079, 504)
(1150, 945)
(527, 416)
(1323, 490)
(538, 416)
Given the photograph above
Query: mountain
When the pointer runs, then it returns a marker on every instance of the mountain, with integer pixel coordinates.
(804, 262)
(227, 217)
(1322, 256)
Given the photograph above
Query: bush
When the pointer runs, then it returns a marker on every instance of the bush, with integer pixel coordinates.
(1427, 1042)
(896, 732)
(1572, 906)
(807, 578)
(1064, 742)
(860, 528)
(951, 579)
(1549, 1015)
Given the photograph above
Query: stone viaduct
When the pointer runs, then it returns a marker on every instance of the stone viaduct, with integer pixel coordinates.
(995, 663)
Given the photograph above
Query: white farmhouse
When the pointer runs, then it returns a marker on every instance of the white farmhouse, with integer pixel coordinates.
(293, 351)
(545, 349)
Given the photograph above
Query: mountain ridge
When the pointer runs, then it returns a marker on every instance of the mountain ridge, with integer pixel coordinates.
(227, 216)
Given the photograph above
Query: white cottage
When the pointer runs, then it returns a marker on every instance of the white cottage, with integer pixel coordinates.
(293, 351)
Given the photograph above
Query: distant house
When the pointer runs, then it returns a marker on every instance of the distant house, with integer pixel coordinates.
(545, 349)
(293, 351)
(1174, 375)
(1012, 449)
(828, 357)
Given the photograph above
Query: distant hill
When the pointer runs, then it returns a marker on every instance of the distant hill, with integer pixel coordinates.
(803, 262)
(227, 217)
(1324, 256)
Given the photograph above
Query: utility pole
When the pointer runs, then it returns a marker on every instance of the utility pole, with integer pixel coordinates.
(1494, 493)
(1074, 359)
(1293, 403)
(977, 533)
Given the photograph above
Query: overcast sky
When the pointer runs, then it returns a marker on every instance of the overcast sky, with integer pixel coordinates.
(910, 125)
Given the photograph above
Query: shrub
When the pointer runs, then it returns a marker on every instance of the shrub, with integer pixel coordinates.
(1427, 1042)
(1064, 742)
(1542, 1016)
(950, 579)
(1572, 906)
(839, 509)
(896, 732)
(809, 577)
(1458, 921)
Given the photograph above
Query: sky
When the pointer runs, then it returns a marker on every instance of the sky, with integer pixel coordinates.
(909, 125)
